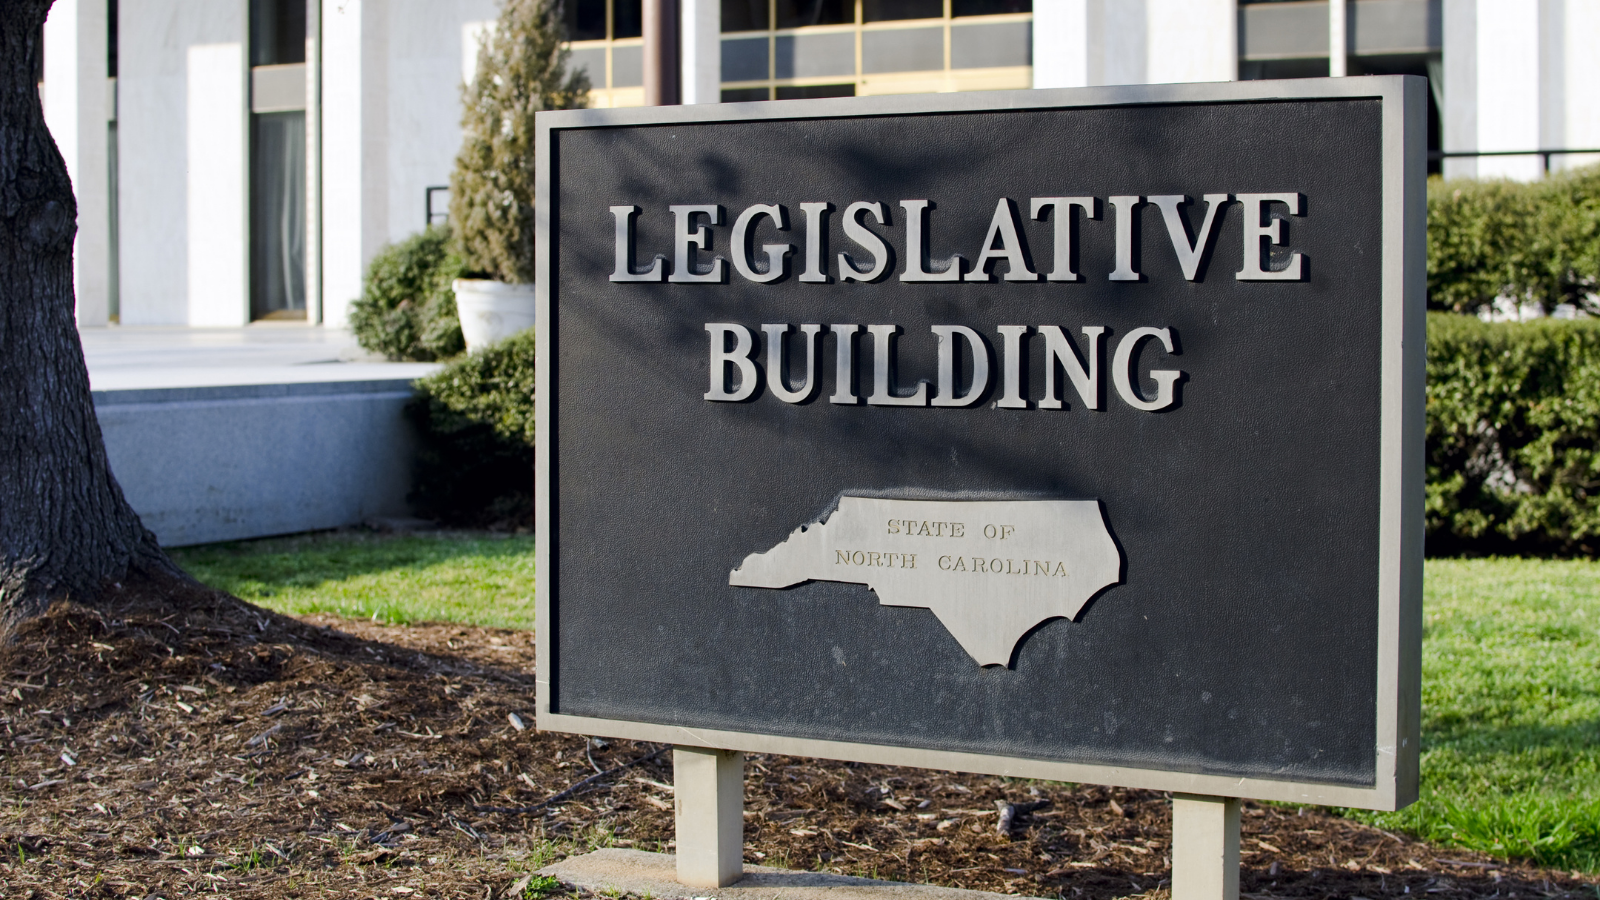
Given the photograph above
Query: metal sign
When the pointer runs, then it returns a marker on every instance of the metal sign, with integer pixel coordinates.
(1062, 434)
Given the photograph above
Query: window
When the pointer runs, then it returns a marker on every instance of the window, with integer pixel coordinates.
(277, 32)
(815, 91)
(989, 7)
(891, 10)
(605, 38)
(803, 13)
(745, 15)
(586, 20)
(787, 49)
(278, 215)
(277, 159)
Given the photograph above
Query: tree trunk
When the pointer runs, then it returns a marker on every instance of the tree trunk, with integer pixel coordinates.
(66, 532)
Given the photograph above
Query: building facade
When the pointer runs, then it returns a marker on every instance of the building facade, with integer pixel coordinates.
(241, 161)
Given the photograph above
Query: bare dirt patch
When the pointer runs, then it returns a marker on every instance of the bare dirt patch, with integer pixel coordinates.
(243, 754)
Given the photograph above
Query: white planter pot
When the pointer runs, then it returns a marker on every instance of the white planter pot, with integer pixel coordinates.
(492, 310)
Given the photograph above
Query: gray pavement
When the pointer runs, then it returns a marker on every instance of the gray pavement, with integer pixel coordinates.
(144, 357)
(654, 875)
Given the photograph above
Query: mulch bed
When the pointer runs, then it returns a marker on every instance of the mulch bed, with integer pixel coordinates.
(235, 752)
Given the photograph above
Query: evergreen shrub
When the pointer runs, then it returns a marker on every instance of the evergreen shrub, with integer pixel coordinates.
(522, 69)
(407, 309)
(1536, 243)
(474, 419)
(1513, 447)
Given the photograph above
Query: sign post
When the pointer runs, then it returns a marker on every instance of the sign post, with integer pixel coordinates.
(708, 812)
(1205, 847)
(1072, 435)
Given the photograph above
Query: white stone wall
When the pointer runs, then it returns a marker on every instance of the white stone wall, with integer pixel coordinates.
(1520, 75)
(1079, 43)
(391, 118)
(1570, 41)
(181, 138)
(77, 110)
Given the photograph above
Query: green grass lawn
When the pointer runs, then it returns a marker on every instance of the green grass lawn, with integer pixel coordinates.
(1511, 666)
(1510, 710)
(477, 578)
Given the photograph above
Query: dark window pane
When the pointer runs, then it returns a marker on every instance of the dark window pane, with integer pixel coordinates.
(800, 13)
(815, 91)
(745, 15)
(888, 10)
(744, 59)
(591, 60)
(586, 21)
(627, 19)
(1256, 70)
(983, 45)
(902, 50)
(627, 66)
(277, 32)
(830, 54)
(278, 216)
(742, 95)
(989, 7)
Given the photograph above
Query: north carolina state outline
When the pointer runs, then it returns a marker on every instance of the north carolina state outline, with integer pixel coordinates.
(990, 570)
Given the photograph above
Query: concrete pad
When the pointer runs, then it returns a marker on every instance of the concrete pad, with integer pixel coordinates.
(148, 358)
(655, 874)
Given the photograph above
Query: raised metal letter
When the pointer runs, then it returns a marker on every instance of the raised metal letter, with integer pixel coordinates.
(739, 356)
(688, 236)
(917, 247)
(1188, 254)
(1003, 226)
(1063, 230)
(1124, 270)
(816, 238)
(844, 366)
(775, 362)
(1085, 379)
(740, 243)
(856, 231)
(624, 270)
(882, 377)
(947, 365)
(1254, 232)
(1011, 396)
(1122, 371)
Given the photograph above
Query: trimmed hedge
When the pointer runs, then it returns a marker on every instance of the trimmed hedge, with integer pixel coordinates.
(407, 309)
(1513, 437)
(1513, 446)
(1538, 242)
(474, 419)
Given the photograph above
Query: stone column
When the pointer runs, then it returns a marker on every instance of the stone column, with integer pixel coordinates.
(702, 51)
(77, 110)
(1338, 39)
(354, 137)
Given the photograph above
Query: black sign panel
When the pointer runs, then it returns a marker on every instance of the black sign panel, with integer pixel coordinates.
(1123, 494)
